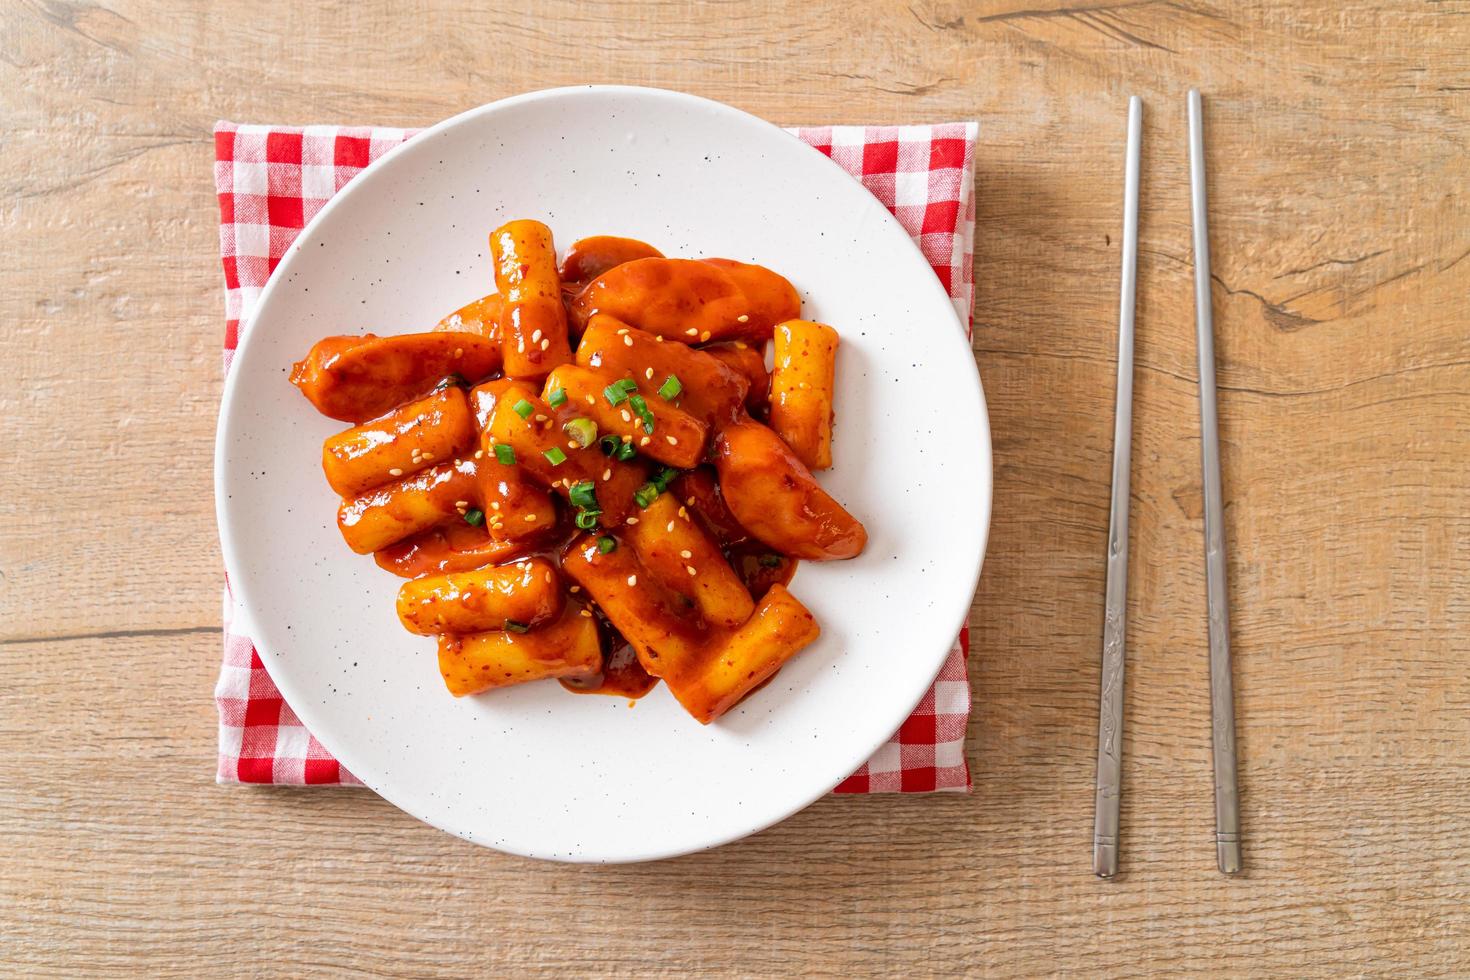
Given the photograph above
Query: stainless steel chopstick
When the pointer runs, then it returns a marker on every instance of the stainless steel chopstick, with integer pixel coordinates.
(1222, 697)
(1115, 616)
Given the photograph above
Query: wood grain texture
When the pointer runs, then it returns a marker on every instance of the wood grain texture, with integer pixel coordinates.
(1337, 135)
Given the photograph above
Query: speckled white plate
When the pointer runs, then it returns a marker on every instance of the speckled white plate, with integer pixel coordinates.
(535, 770)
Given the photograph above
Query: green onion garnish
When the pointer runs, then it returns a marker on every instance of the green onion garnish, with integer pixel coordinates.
(512, 626)
(626, 451)
(605, 544)
(505, 454)
(557, 398)
(664, 477)
(581, 431)
(670, 389)
(474, 517)
(609, 445)
(587, 519)
(618, 391)
(555, 456)
(646, 494)
(524, 408)
(771, 561)
(640, 408)
(583, 494)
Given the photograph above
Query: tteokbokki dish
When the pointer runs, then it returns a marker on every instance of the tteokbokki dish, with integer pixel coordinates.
(590, 474)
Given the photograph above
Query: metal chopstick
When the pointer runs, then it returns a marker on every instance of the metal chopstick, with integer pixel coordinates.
(1115, 617)
(1222, 698)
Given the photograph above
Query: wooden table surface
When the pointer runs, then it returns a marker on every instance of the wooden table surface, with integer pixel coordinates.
(1339, 170)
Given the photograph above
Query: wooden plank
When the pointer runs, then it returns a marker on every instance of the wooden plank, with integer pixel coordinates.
(1337, 135)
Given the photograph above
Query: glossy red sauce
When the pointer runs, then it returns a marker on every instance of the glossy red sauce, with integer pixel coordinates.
(622, 675)
(451, 547)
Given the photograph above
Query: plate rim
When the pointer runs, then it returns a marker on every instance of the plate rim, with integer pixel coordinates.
(237, 583)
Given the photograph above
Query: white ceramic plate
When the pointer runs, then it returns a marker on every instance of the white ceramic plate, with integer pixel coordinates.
(535, 770)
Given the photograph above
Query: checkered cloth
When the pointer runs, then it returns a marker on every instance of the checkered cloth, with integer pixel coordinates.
(271, 180)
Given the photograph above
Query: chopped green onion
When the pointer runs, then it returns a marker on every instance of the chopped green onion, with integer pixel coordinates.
(640, 408)
(609, 444)
(646, 494)
(524, 408)
(771, 561)
(512, 626)
(505, 454)
(626, 451)
(555, 456)
(664, 477)
(581, 431)
(587, 519)
(583, 494)
(670, 389)
(557, 398)
(605, 544)
(617, 392)
(474, 517)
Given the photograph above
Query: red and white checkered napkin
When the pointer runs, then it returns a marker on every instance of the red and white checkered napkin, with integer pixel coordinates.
(271, 181)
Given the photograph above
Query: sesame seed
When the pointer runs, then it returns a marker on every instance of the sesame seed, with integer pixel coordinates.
(530, 518)
(623, 332)
(428, 457)
(648, 374)
(705, 335)
(628, 341)
(689, 501)
(692, 332)
(575, 588)
(672, 440)
(536, 336)
(740, 344)
(547, 576)
(607, 473)
(685, 554)
(479, 454)
(590, 399)
(461, 503)
(585, 613)
(627, 438)
(632, 520)
(625, 416)
(632, 580)
(644, 441)
(546, 344)
(540, 418)
(742, 318)
(459, 352)
(395, 471)
(683, 513)
(520, 345)
(494, 505)
(659, 338)
(572, 444)
(689, 569)
(670, 527)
